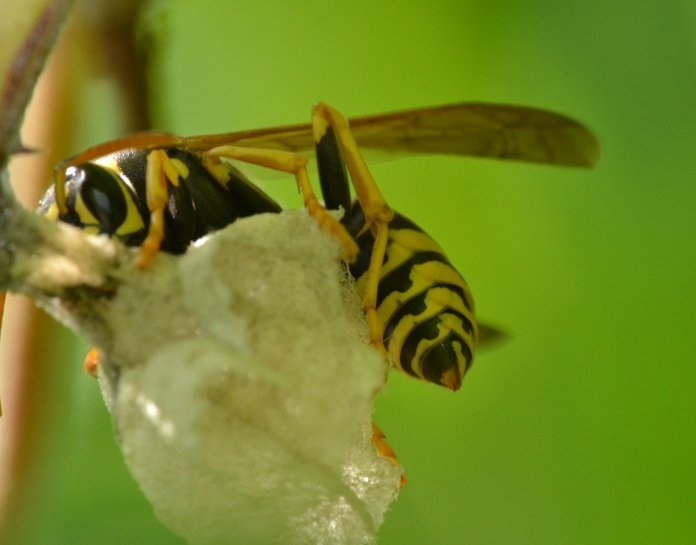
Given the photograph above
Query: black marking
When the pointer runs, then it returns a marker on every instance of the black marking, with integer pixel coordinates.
(416, 306)
(199, 204)
(249, 196)
(460, 291)
(413, 307)
(361, 264)
(442, 357)
(409, 350)
(402, 222)
(356, 222)
(196, 206)
(399, 279)
(179, 219)
(102, 193)
(429, 330)
(132, 164)
(333, 176)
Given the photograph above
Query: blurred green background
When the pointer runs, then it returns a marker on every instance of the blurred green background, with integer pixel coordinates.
(580, 429)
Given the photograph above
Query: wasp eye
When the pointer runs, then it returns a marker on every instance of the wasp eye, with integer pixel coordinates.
(101, 191)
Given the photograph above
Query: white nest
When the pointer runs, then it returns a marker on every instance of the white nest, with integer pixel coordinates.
(244, 389)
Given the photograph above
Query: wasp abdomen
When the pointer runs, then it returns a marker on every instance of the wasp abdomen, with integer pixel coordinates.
(423, 303)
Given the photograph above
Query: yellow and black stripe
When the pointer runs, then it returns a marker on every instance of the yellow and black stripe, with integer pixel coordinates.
(425, 311)
(424, 305)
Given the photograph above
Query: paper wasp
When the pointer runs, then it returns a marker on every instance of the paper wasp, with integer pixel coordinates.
(160, 191)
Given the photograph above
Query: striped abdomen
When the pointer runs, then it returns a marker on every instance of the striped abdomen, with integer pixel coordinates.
(424, 305)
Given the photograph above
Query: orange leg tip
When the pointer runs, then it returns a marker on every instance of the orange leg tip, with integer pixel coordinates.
(92, 361)
(384, 450)
(350, 251)
(378, 344)
(143, 261)
(148, 250)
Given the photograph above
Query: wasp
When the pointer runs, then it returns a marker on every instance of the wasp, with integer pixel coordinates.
(159, 191)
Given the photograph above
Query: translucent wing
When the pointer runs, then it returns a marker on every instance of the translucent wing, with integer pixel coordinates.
(489, 335)
(476, 129)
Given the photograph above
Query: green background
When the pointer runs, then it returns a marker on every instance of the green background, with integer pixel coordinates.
(580, 428)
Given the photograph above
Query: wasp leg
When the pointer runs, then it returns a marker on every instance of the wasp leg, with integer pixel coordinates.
(296, 165)
(92, 361)
(378, 213)
(160, 172)
(375, 327)
(144, 140)
(383, 449)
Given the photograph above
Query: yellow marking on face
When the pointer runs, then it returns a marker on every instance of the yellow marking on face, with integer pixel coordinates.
(133, 221)
(86, 217)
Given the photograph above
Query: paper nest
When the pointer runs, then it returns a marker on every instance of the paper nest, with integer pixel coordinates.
(241, 387)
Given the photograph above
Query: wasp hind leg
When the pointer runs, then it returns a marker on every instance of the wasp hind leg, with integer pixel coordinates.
(296, 165)
(332, 134)
(384, 450)
(337, 151)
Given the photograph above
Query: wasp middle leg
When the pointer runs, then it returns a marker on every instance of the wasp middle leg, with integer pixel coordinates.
(294, 164)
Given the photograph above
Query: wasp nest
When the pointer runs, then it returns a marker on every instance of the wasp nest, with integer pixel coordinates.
(241, 389)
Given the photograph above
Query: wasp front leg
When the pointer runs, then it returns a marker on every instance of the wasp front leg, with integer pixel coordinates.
(161, 172)
(92, 361)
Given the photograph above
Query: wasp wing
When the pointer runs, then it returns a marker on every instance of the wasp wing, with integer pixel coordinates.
(489, 335)
(474, 129)
(482, 130)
